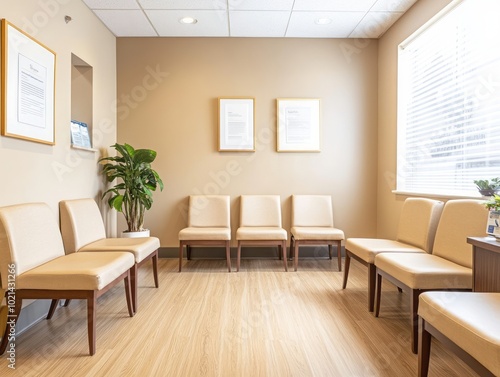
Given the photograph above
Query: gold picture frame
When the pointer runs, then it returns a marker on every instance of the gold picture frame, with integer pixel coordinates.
(298, 125)
(236, 124)
(28, 87)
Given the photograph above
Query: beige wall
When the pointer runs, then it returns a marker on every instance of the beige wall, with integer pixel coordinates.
(36, 172)
(389, 204)
(167, 101)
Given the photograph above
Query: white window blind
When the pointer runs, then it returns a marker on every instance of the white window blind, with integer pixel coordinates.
(449, 101)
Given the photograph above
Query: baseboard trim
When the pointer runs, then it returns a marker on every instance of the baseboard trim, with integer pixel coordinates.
(32, 314)
(247, 252)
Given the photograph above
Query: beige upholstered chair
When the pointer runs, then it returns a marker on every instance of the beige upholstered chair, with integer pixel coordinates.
(449, 267)
(209, 224)
(417, 227)
(83, 230)
(467, 323)
(30, 240)
(260, 224)
(312, 224)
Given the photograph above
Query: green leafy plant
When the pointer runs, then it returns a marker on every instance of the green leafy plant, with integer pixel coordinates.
(132, 195)
(493, 204)
(486, 187)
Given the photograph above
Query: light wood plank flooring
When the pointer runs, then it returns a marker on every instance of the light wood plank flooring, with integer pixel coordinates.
(258, 322)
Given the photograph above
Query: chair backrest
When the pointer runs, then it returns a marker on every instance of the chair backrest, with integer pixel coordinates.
(312, 210)
(81, 223)
(418, 222)
(209, 211)
(29, 237)
(460, 219)
(260, 210)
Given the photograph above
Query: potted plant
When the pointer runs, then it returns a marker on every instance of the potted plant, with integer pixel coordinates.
(488, 188)
(132, 195)
(494, 203)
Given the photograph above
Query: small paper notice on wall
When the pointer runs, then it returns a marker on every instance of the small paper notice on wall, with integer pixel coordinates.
(80, 134)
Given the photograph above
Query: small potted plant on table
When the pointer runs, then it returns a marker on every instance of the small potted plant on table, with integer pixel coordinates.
(486, 187)
(132, 195)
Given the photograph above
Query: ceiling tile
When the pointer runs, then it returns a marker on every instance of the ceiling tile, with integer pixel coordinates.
(260, 4)
(250, 18)
(258, 24)
(112, 4)
(124, 23)
(184, 4)
(211, 23)
(303, 24)
(334, 5)
(393, 5)
(374, 24)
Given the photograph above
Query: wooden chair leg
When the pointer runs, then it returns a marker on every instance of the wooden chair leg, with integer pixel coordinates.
(133, 280)
(339, 254)
(296, 256)
(228, 256)
(285, 259)
(91, 303)
(330, 247)
(347, 264)
(129, 293)
(181, 250)
(377, 296)
(52, 309)
(66, 303)
(188, 252)
(414, 293)
(154, 259)
(238, 257)
(424, 349)
(11, 324)
(372, 272)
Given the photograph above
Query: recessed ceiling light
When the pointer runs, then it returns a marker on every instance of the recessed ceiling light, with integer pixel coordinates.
(323, 21)
(188, 20)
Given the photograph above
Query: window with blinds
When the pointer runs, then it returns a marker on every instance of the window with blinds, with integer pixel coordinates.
(449, 101)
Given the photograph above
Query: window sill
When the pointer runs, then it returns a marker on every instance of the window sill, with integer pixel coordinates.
(438, 196)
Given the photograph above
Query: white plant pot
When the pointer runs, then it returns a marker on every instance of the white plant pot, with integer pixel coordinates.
(144, 233)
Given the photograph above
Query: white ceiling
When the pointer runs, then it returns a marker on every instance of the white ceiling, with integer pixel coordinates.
(249, 18)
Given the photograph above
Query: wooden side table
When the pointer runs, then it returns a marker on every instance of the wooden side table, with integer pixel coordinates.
(485, 264)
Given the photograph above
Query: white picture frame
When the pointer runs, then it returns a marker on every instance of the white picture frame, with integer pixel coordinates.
(236, 126)
(298, 124)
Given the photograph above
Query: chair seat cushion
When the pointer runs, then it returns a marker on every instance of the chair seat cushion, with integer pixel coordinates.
(316, 233)
(140, 247)
(469, 319)
(424, 271)
(77, 271)
(205, 234)
(368, 248)
(261, 233)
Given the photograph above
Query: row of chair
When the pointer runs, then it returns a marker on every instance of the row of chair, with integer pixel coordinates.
(80, 263)
(260, 225)
(430, 253)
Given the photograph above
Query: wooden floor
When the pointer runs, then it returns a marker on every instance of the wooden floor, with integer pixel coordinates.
(258, 322)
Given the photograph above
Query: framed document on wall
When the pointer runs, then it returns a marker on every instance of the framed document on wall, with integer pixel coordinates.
(28, 87)
(298, 125)
(236, 128)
